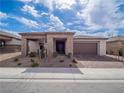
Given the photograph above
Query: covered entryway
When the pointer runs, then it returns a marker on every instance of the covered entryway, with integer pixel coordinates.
(60, 47)
(85, 48)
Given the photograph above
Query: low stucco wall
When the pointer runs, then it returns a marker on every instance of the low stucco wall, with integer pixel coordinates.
(33, 46)
(14, 42)
(102, 47)
(10, 49)
(14, 45)
(113, 47)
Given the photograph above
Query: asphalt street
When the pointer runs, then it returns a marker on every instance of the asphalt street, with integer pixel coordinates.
(37, 86)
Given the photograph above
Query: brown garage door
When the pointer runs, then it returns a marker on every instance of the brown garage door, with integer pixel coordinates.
(85, 48)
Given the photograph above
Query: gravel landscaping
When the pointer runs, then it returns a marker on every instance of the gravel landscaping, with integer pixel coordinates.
(16, 60)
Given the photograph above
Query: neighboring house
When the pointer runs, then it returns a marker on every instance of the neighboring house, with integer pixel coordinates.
(9, 42)
(62, 43)
(115, 44)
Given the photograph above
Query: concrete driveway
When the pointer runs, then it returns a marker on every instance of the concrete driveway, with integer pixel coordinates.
(89, 61)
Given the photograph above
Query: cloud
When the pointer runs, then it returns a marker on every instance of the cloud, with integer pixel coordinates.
(50, 4)
(56, 23)
(99, 14)
(82, 16)
(77, 32)
(107, 33)
(3, 15)
(44, 14)
(31, 10)
(27, 22)
(47, 3)
(11, 32)
(26, 1)
(3, 24)
(64, 4)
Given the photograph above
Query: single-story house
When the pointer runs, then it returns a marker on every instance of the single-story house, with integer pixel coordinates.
(9, 42)
(62, 43)
(115, 44)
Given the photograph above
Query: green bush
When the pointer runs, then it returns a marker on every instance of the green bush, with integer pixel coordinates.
(111, 52)
(35, 65)
(32, 54)
(42, 55)
(120, 52)
(16, 59)
(61, 61)
(42, 52)
(19, 64)
(70, 65)
(69, 55)
(74, 61)
(55, 54)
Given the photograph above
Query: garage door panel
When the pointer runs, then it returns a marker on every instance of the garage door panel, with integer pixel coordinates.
(85, 48)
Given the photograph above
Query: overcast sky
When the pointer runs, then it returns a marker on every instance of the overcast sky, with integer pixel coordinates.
(90, 17)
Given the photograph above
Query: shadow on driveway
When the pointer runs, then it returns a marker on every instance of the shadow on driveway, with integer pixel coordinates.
(53, 70)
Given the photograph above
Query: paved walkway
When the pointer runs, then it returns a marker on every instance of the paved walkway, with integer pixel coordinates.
(7, 56)
(62, 73)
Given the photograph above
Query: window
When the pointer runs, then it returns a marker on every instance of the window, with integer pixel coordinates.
(2, 44)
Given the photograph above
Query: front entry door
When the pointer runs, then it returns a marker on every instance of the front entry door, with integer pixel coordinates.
(60, 47)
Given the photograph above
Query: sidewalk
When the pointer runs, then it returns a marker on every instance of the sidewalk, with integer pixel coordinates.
(116, 57)
(62, 73)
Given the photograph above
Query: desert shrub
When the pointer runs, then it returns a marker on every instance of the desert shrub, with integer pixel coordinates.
(19, 64)
(69, 55)
(111, 52)
(70, 65)
(55, 54)
(42, 52)
(61, 61)
(120, 52)
(35, 65)
(32, 54)
(42, 55)
(16, 59)
(74, 61)
(107, 52)
(32, 60)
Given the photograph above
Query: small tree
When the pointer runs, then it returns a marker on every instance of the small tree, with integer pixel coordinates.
(120, 52)
(42, 52)
(69, 55)
(32, 54)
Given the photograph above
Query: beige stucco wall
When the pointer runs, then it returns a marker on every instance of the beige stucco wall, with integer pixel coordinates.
(102, 47)
(69, 45)
(24, 46)
(33, 46)
(26, 39)
(50, 44)
(51, 47)
(13, 42)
